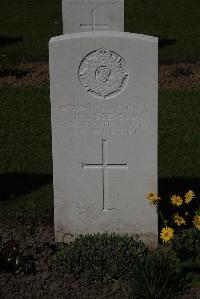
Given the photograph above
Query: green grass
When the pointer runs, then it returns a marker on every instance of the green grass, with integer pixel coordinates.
(170, 20)
(35, 21)
(25, 136)
(25, 130)
(25, 147)
(179, 142)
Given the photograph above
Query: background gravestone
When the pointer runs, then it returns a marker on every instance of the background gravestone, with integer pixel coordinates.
(104, 129)
(92, 15)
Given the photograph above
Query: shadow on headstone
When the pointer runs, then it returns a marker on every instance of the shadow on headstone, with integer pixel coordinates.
(14, 185)
(165, 42)
(179, 186)
(5, 40)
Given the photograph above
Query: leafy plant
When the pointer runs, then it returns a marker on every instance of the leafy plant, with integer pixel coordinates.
(186, 245)
(102, 256)
(195, 283)
(156, 276)
(13, 260)
(9, 256)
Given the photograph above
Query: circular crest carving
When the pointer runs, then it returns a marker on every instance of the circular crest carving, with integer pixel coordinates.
(103, 73)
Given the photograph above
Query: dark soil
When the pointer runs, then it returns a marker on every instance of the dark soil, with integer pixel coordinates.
(24, 74)
(171, 75)
(41, 277)
(180, 75)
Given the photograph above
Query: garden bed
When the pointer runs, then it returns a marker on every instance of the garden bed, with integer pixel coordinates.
(171, 75)
(42, 277)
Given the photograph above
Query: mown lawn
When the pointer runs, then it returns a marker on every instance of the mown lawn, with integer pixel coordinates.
(25, 150)
(179, 142)
(176, 23)
(25, 147)
(27, 25)
(33, 23)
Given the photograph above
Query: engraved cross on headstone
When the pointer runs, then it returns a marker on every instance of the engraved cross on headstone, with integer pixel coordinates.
(104, 166)
(93, 26)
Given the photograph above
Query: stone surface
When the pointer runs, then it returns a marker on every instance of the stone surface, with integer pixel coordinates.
(104, 129)
(92, 15)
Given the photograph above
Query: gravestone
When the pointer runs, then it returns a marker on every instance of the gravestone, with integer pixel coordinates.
(104, 130)
(92, 15)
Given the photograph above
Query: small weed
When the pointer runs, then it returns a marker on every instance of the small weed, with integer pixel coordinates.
(195, 281)
(157, 277)
(10, 256)
(13, 260)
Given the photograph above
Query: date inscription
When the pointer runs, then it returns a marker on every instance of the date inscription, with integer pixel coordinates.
(81, 119)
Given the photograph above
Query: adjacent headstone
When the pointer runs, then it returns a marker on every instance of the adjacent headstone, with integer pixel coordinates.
(104, 129)
(92, 15)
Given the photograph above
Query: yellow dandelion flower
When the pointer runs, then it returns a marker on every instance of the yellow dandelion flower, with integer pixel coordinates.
(153, 198)
(176, 200)
(197, 221)
(167, 233)
(179, 220)
(189, 196)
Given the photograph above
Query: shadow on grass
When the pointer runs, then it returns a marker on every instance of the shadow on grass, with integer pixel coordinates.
(165, 42)
(179, 186)
(5, 40)
(14, 185)
(169, 186)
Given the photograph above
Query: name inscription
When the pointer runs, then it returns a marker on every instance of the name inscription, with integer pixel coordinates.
(81, 119)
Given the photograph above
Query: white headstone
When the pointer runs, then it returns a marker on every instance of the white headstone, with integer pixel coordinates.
(104, 129)
(92, 15)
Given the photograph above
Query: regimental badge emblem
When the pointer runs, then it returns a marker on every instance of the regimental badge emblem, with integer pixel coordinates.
(103, 73)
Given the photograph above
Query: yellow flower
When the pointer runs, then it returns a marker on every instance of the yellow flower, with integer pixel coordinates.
(167, 233)
(176, 200)
(189, 196)
(197, 221)
(179, 220)
(153, 198)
